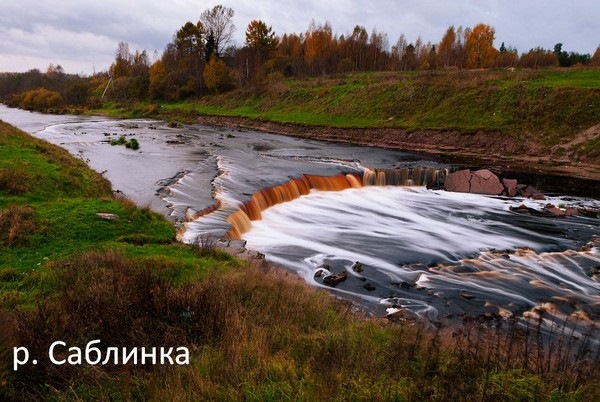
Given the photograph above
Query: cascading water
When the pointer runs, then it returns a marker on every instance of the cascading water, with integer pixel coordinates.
(435, 253)
(251, 210)
(319, 207)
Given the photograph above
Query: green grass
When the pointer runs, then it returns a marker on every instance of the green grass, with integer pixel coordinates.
(584, 79)
(545, 107)
(64, 197)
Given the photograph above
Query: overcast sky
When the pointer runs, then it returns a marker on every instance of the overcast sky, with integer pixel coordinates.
(82, 35)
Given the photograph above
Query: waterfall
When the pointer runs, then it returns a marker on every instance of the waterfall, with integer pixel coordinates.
(251, 210)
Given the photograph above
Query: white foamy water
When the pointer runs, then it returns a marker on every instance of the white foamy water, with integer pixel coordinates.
(409, 223)
(435, 252)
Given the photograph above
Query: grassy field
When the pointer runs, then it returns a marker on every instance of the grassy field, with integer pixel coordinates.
(254, 333)
(546, 106)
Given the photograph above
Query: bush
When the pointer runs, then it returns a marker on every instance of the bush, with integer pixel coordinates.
(14, 181)
(17, 225)
(217, 76)
(121, 141)
(41, 100)
(258, 332)
(8, 275)
(133, 144)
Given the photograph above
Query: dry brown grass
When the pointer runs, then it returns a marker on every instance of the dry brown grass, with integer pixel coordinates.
(260, 334)
(17, 224)
(14, 181)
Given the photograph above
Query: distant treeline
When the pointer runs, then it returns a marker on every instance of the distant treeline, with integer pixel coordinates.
(201, 60)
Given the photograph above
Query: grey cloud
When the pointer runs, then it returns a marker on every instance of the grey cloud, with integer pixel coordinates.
(86, 33)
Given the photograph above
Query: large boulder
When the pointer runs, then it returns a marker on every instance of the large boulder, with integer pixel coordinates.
(459, 182)
(485, 182)
(479, 182)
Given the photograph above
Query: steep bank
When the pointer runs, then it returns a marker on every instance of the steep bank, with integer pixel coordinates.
(477, 148)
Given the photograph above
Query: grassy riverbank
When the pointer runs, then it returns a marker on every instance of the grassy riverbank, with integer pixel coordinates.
(254, 333)
(538, 110)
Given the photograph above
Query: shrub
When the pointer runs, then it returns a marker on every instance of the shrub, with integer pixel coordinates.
(17, 225)
(8, 275)
(259, 332)
(41, 100)
(217, 76)
(133, 144)
(122, 140)
(14, 181)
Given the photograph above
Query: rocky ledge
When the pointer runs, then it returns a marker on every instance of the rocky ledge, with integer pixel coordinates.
(484, 181)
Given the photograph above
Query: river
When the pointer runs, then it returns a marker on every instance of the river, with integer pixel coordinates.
(430, 253)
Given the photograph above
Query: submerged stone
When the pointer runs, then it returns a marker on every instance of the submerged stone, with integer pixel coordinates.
(335, 279)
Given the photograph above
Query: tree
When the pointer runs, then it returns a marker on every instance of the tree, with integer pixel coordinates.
(218, 20)
(318, 43)
(123, 60)
(157, 77)
(539, 58)
(378, 44)
(210, 47)
(54, 71)
(358, 43)
(595, 61)
(480, 47)
(261, 38)
(563, 57)
(216, 75)
(507, 57)
(409, 58)
(460, 46)
(188, 40)
(446, 49)
(398, 52)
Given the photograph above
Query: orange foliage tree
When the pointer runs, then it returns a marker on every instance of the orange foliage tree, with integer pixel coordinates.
(318, 45)
(595, 61)
(480, 47)
(446, 49)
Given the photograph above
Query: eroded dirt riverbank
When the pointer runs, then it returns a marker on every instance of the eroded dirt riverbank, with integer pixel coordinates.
(492, 149)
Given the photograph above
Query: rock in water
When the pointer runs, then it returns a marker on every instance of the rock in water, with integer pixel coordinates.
(479, 182)
(369, 286)
(467, 296)
(334, 279)
(485, 182)
(458, 181)
(511, 186)
(357, 267)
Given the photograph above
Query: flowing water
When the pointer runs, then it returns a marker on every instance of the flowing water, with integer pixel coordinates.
(317, 208)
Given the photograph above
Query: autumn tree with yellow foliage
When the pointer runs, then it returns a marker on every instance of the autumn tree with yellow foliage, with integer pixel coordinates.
(595, 61)
(480, 47)
(261, 38)
(217, 76)
(446, 50)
